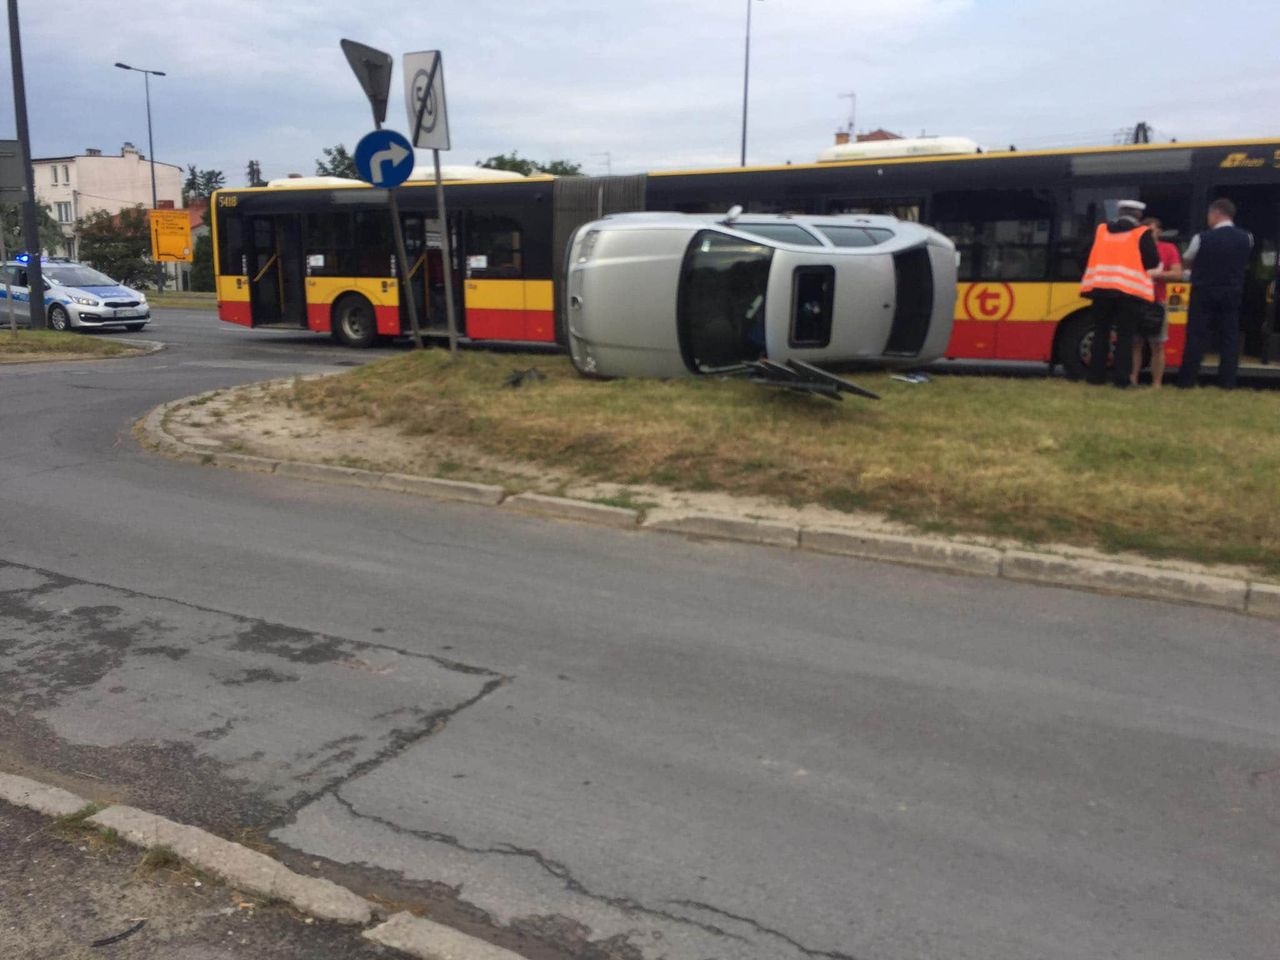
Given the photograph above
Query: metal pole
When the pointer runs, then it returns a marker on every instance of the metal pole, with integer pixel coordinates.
(151, 144)
(448, 258)
(30, 225)
(8, 291)
(398, 232)
(746, 83)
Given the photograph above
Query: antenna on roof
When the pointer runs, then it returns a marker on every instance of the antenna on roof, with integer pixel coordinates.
(853, 107)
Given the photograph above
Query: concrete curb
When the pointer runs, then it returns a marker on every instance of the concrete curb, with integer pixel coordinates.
(715, 527)
(256, 873)
(1125, 579)
(894, 548)
(428, 940)
(236, 864)
(51, 801)
(145, 349)
(1263, 600)
(1099, 576)
(585, 511)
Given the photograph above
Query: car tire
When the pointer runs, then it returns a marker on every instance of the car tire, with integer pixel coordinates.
(134, 327)
(59, 319)
(354, 321)
(1075, 345)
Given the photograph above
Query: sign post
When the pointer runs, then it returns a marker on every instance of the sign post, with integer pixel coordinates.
(11, 181)
(429, 123)
(384, 158)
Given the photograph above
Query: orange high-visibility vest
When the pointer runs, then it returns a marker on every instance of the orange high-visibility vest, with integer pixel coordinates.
(1115, 263)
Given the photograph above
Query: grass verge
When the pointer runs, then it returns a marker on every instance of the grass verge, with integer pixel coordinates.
(31, 344)
(1190, 474)
(185, 299)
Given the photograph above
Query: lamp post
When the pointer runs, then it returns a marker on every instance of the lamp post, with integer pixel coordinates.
(746, 83)
(151, 146)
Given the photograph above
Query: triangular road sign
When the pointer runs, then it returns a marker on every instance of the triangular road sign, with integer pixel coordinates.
(373, 70)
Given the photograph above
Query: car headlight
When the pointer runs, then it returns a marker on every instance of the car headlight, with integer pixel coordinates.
(85, 301)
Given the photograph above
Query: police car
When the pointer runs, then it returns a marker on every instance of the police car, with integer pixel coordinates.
(76, 296)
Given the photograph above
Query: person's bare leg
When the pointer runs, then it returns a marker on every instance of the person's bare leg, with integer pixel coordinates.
(1157, 365)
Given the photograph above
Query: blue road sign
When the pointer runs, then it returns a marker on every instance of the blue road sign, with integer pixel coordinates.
(384, 158)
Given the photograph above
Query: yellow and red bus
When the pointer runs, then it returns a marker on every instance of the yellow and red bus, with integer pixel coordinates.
(319, 256)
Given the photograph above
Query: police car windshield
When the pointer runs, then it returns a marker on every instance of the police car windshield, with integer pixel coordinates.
(76, 275)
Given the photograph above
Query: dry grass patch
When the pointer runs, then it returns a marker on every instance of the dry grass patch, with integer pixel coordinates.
(1167, 473)
(36, 344)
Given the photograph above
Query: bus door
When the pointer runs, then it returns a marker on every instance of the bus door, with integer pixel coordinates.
(419, 273)
(273, 251)
(1258, 211)
(293, 291)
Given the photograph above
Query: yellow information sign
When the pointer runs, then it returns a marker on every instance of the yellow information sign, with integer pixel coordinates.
(170, 236)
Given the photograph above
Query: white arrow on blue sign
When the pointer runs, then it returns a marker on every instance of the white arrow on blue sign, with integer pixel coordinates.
(384, 158)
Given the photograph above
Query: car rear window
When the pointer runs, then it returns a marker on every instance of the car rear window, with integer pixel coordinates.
(856, 236)
(782, 232)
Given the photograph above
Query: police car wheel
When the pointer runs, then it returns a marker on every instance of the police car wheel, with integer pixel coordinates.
(58, 318)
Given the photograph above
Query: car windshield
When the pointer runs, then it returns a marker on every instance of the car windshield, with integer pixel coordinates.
(76, 275)
(843, 236)
(782, 232)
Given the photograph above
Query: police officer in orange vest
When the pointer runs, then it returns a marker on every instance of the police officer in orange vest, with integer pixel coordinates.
(1118, 281)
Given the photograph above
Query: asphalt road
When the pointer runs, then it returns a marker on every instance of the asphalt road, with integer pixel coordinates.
(597, 743)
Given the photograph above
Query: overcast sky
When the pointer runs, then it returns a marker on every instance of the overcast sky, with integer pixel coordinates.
(655, 83)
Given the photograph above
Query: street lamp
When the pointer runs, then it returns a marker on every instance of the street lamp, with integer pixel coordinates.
(746, 82)
(151, 147)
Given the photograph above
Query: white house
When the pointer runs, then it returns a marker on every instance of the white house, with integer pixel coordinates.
(76, 186)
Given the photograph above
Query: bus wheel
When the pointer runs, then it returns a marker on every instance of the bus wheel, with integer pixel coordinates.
(354, 323)
(1075, 345)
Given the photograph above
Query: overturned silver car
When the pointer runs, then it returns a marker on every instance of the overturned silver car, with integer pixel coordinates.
(673, 294)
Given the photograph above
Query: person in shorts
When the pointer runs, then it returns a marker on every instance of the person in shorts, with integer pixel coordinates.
(1170, 270)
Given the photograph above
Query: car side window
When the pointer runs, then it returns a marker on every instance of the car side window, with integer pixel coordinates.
(21, 281)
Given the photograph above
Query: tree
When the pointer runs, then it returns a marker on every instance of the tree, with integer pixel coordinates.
(254, 174)
(202, 265)
(202, 259)
(201, 183)
(51, 238)
(525, 167)
(337, 163)
(118, 245)
(562, 168)
(211, 180)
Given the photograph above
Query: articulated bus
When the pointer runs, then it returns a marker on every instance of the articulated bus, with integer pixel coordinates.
(320, 257)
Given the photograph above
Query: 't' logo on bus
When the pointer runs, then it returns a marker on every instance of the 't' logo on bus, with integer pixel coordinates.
(988, 301)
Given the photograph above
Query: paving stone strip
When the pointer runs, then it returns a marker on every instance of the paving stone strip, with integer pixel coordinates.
(1150, 582)
(254, 872)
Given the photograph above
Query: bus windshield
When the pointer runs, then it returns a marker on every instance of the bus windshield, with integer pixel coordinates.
(721, 304)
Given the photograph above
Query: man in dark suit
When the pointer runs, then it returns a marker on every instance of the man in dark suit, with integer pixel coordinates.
(1218, 258)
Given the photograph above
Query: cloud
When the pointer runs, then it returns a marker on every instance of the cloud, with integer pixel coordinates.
(656, 83)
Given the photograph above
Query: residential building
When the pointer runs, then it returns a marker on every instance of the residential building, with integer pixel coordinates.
(75, 186)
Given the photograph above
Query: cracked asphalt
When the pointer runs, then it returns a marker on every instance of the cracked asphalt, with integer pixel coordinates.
(588, 743)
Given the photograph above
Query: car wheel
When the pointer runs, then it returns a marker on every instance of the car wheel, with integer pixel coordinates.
(134, 327)
(59, 318)
(354, 322)
(1075, 345)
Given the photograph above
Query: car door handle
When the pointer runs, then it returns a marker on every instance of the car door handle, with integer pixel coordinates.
(575, 301)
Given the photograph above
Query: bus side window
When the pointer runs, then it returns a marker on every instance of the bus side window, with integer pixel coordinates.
(999, 234)
(494, 248)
